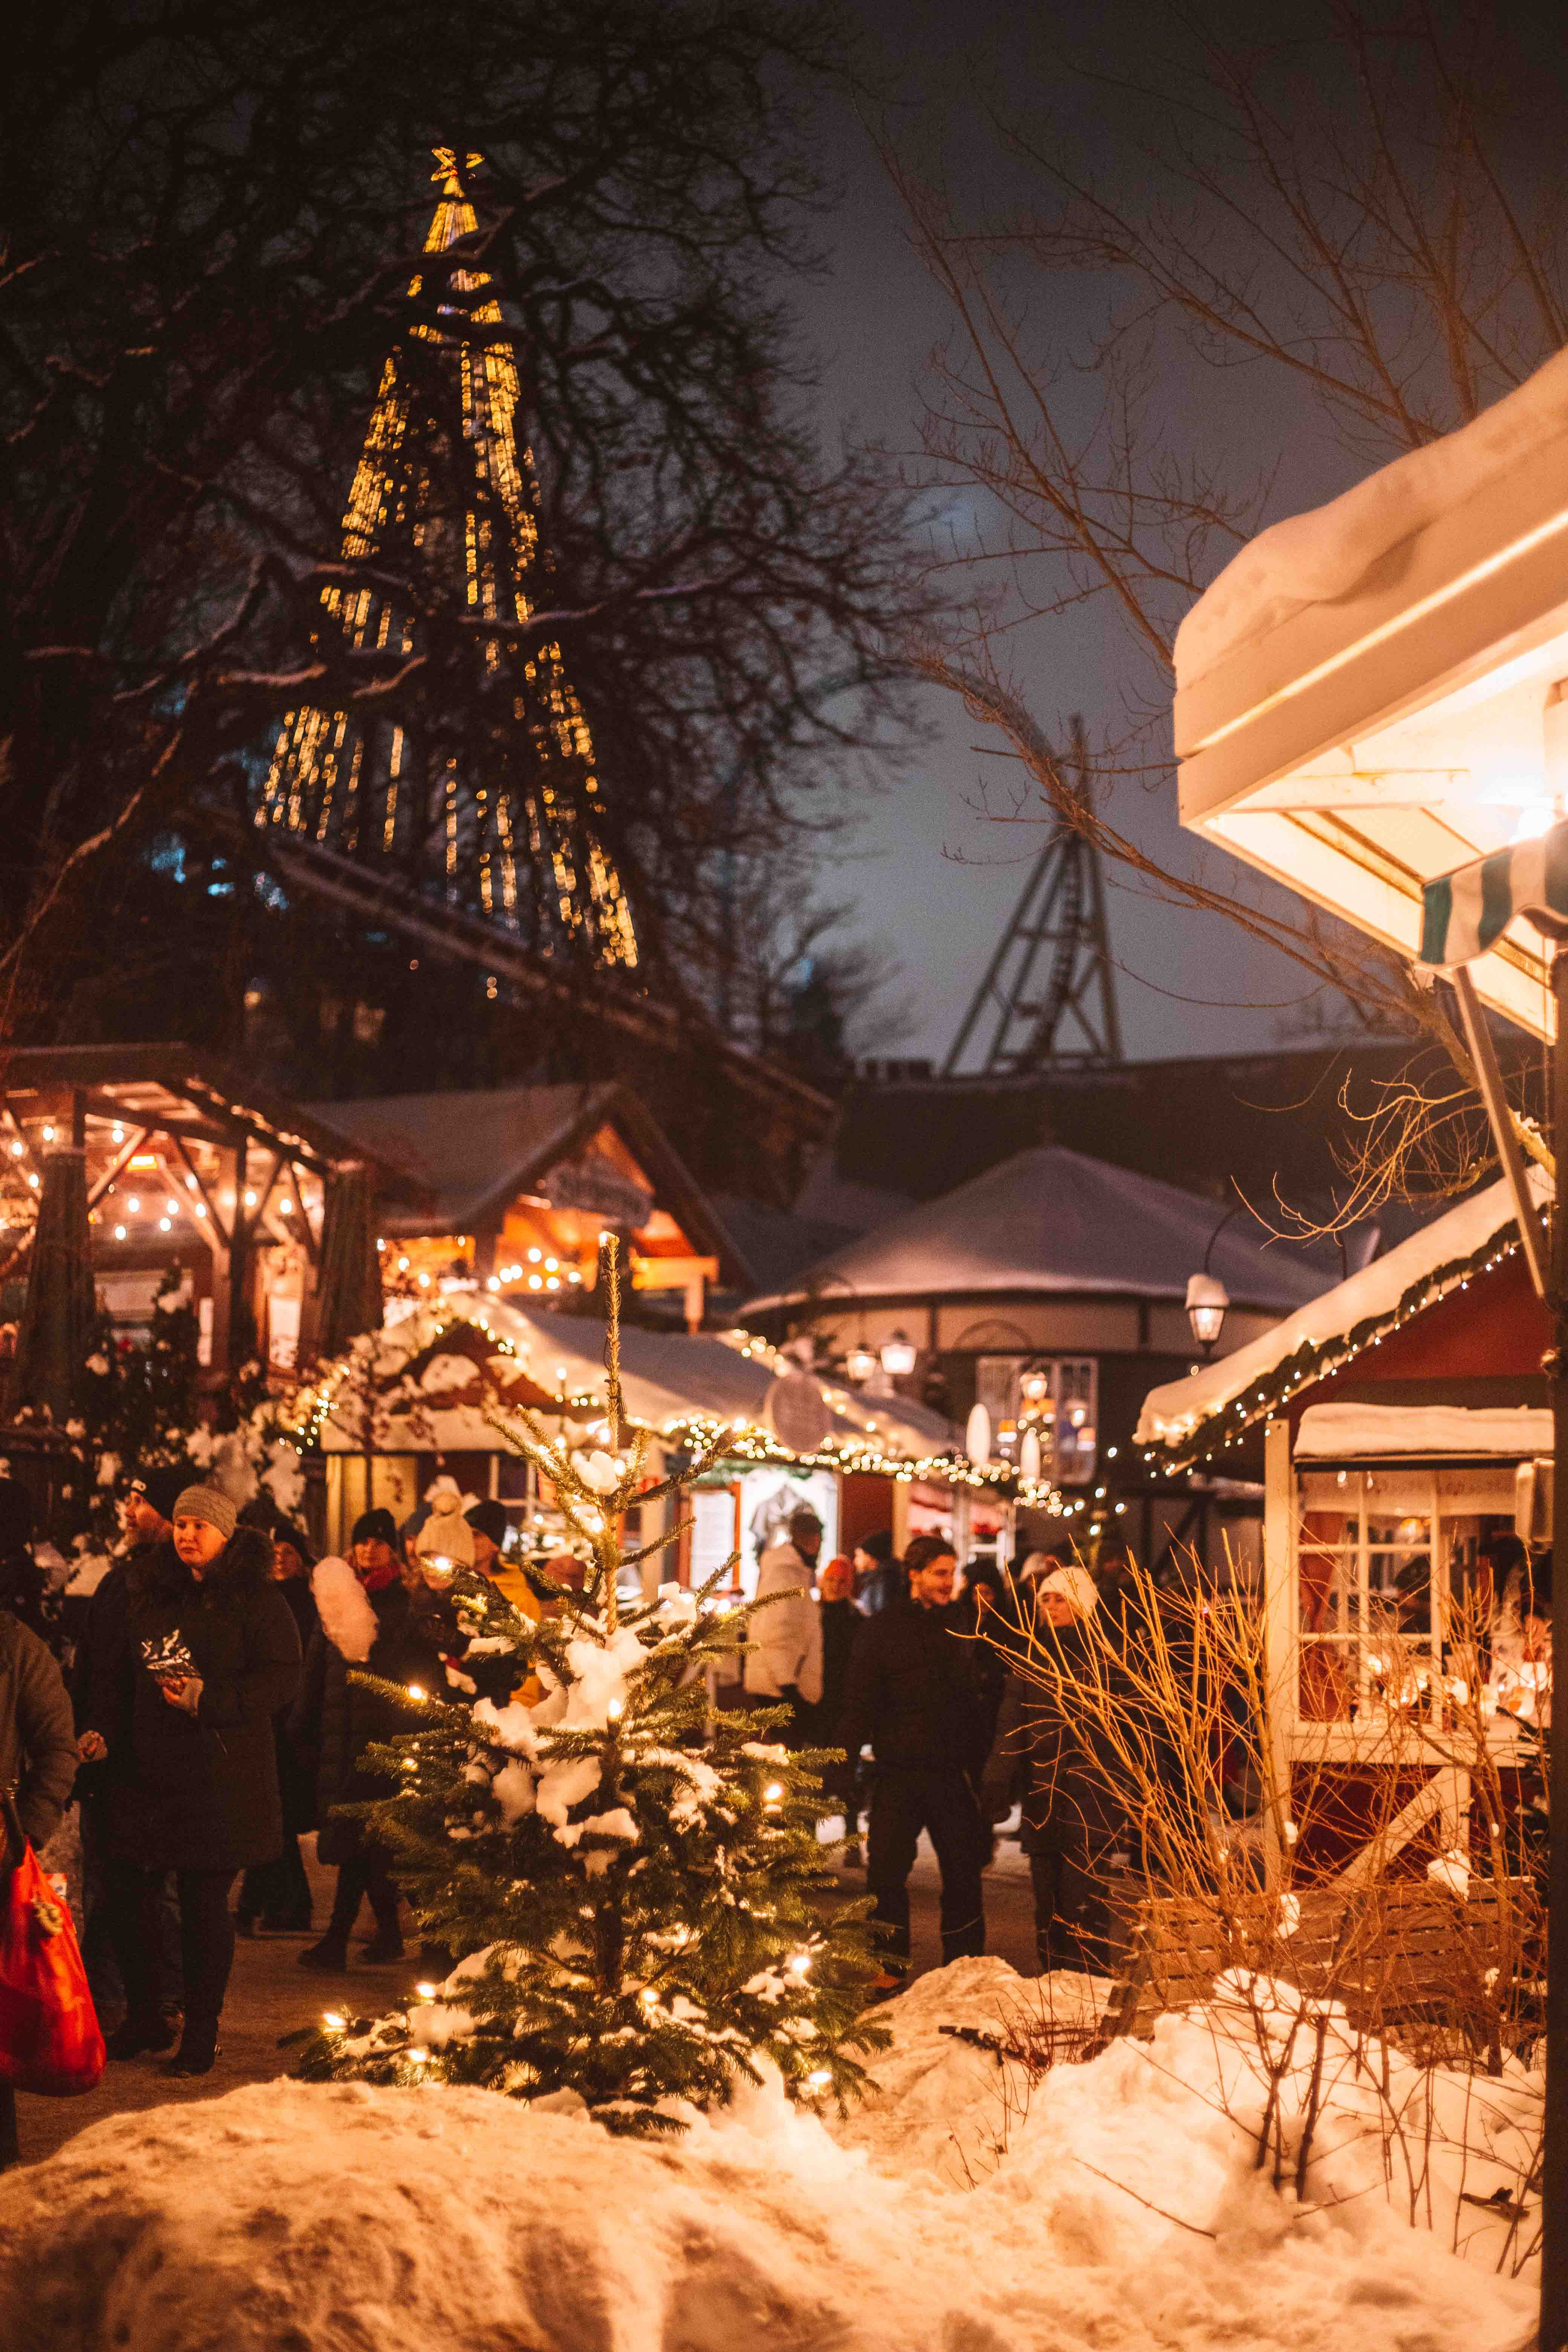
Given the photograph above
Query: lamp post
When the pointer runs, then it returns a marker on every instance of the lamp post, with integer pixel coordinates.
(1208, 1300)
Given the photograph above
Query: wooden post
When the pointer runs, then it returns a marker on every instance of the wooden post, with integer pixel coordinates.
(1281, 1636)
(238, 1320)
(1554, 2159)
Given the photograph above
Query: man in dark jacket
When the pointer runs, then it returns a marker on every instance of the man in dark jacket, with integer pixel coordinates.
(146, 1512)
(184, 1702)
(278, 1894)
(368, 1627)
(912, 1697)
(37, 1764)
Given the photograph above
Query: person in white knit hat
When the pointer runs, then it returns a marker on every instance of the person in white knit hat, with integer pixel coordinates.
(1071, 1818)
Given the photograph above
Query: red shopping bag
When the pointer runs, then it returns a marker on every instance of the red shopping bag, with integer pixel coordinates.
(50, 2039)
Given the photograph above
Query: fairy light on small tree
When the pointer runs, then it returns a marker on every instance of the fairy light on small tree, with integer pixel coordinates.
(633, 1881)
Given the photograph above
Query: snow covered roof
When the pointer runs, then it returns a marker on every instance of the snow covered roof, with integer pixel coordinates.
(1327, 555)
(1055, 1221)
(1188, 1416)
(1357, 1432)
(471, 1152)
(668, 1379)
(1360, 694)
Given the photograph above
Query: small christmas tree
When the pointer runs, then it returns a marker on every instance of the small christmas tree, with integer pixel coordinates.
(633, 1878)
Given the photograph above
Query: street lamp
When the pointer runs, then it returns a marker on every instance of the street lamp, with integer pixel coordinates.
(898, 1357)
(1208, 1300)
(859, 1363)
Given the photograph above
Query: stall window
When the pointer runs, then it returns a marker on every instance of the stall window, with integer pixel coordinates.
(1066, 1413)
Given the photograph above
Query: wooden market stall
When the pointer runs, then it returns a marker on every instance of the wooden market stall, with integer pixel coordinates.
(424, 1394)
(1400, 1421)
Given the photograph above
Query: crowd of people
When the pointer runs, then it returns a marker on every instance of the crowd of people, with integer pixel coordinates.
(912, 1674)
(214, 1713)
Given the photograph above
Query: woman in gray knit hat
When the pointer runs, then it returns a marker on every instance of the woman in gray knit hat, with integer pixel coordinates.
(184, 1699)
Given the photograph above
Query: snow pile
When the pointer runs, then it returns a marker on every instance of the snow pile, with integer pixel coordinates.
(1325, 556)
(1117, 2203)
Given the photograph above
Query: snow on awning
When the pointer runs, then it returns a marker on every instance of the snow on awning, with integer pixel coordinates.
(434, 1388)
(1214, 1407)
(1366, 695)
(1364, 1433)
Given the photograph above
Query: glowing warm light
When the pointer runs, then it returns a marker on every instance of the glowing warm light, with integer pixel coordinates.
(164, 1224)
(331, 2021)
(415, 1690)
(250, 1200)
(427, 1992)
(119, 1135)
(134, 1204)
(48, 1135)
(119, 1233)
(773, 1792)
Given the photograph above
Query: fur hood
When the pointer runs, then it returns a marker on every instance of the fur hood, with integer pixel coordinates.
(160, 1575)
(348, 1618)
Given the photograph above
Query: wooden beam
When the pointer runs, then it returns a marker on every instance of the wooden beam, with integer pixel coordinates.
(311, 1240)
(117, 1167)
(208, 1202)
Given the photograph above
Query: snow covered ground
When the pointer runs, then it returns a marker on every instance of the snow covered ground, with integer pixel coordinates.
(1116, 2206)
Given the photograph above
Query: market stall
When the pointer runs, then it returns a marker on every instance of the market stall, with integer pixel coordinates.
(1401, 1421)
(430, 1392)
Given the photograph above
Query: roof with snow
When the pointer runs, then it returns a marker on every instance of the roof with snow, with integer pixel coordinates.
(1325, 556)
(472, 1152)
(1054, 1222)
(1364, 694)
(440, 1372)
(1214, 1404)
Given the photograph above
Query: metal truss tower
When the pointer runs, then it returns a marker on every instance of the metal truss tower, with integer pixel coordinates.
(1048, 997)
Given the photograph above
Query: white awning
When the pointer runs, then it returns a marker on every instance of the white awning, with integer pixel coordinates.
(1364, 1433)
(1366, 697)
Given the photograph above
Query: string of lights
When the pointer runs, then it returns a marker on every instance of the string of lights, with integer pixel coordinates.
(869, 1450)
(1208, 1437)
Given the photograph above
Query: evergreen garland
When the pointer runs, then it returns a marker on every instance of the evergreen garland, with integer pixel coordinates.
(630, 1878)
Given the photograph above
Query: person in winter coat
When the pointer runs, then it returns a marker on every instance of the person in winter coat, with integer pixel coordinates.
(367, 1626)
(1047, 1757)
(880, 1579)
(146, 1510)
(204, 1655)
(24, 1587)
(911, 1695)
(38, 1766)
(841, 1622)
(277, 1894)
(783, 1641)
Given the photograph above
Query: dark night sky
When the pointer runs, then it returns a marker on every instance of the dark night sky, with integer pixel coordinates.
(873, 320)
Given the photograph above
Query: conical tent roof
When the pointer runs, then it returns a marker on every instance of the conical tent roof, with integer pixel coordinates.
(501, 819)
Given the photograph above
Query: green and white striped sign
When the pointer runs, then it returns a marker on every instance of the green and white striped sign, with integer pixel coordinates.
(1465, 912)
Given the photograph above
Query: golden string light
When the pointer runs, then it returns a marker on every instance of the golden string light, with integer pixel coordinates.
(317, 778)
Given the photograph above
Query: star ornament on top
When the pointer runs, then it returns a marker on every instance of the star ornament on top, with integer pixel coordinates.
(450, 173)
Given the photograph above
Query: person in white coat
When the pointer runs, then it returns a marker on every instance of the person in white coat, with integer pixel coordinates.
(783, 1640)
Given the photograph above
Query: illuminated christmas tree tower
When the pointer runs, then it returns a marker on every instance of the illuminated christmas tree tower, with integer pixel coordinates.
(494, 810)
(630, 1879)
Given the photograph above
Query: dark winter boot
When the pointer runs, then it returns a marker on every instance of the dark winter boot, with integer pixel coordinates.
(329, 1957)
(135, 2036)
(386, 1944)
(197, 2050)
